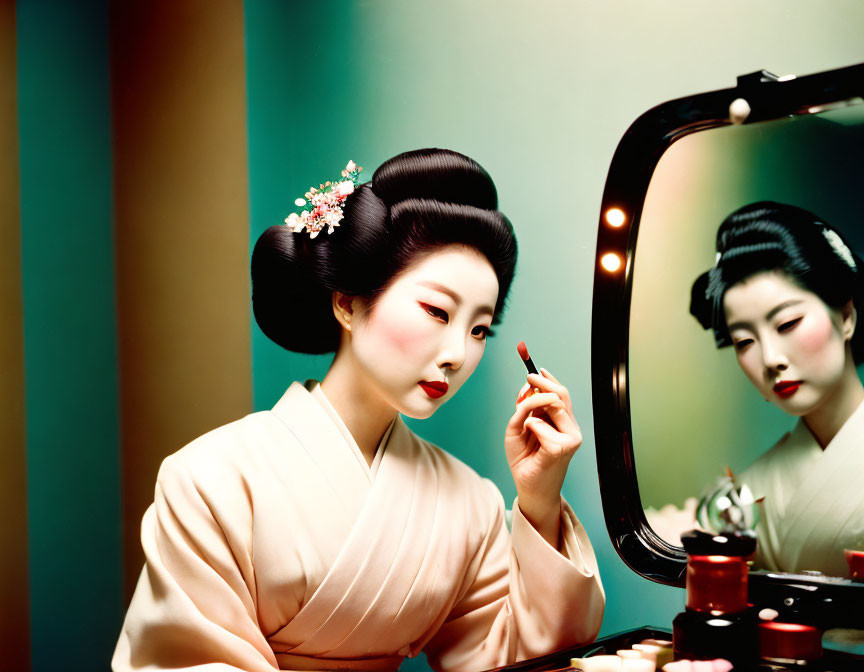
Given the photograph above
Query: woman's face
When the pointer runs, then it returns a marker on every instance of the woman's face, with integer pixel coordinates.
(426, 333)
(789, 343)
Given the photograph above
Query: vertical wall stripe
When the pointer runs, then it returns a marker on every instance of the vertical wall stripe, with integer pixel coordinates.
(69, 332)
(14, 614)
(303, 95)
(182, 226)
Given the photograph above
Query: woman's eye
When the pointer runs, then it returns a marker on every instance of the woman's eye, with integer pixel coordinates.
(743, 344)
(791, 324)
(437, 313)
(481, 332)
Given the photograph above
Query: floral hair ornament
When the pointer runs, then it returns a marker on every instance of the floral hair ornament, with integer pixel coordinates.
(839, 247)
(323, 204)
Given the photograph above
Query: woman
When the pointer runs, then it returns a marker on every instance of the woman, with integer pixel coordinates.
(785, 291)
(324, 534)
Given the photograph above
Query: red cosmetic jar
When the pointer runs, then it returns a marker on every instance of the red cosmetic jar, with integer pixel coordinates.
(716, 583)
(789, 643)
(855, 560)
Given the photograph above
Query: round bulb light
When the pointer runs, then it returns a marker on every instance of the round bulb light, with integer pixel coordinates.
(611, 262)
(615, 217)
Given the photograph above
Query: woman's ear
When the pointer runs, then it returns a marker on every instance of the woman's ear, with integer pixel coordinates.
(343, 309)
(850, 316)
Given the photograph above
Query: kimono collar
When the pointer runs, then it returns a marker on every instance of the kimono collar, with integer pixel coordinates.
(853, 429)
(306, 410)
(317, 393)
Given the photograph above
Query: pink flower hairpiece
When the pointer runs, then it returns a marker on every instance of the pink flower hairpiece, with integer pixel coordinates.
(324, 204)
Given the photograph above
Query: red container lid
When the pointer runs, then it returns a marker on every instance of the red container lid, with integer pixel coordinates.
(855, 560)
(716, 583)
(789, 641)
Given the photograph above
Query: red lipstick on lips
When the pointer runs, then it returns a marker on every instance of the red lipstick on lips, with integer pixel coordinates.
(786, 388)
(434, 389)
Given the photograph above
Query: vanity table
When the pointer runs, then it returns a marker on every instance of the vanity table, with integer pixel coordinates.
(677, 172)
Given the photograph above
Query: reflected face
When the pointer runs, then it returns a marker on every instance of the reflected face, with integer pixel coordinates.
(426, 333)
(789, 343)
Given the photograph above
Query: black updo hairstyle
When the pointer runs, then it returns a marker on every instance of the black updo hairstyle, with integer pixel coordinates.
(769, 236)
(417, 202)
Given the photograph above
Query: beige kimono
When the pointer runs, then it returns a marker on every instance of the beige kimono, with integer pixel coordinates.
(814, 499)
(272, 544)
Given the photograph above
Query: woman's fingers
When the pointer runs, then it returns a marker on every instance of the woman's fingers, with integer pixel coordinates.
(548, 401)
(549, 404)
(544, 410)
(548, 375)
(549, 384)
(551, 439)
(524, 408)
(546, 384)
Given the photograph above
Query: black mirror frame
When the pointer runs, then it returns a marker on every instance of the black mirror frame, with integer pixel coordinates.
(633, 164)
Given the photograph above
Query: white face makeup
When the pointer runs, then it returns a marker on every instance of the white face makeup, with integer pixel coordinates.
(789, 343)
(426, 333)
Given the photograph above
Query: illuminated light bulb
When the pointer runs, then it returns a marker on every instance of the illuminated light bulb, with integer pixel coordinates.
(615, 217)
(611, 262)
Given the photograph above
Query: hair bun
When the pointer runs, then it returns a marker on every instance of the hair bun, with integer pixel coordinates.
(700, 306)
(435, 174)
(290, 301)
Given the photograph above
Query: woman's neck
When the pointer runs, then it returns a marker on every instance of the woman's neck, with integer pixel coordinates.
(825, 421)
(364, 413)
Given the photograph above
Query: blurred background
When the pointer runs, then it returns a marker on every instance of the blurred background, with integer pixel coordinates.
(145, 145)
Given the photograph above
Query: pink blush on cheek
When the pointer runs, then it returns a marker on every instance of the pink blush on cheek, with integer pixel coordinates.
(814, 337)
(404, 340)
(399, 333)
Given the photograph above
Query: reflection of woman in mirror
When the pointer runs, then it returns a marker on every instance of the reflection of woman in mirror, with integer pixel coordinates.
(325, 534)
(785, 292)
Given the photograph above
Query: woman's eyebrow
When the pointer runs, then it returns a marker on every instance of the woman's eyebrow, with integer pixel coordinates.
(740, 324)
(743, 324)
(441, 288)
(776, 309)
(453, 295)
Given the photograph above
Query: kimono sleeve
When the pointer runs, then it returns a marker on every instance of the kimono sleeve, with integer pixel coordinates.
(193, 608)
(524, 598)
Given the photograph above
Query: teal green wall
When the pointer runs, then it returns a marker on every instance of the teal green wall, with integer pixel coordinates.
(299, 79)
(69, 330)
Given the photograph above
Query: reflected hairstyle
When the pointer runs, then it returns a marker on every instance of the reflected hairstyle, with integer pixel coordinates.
(769, 236)
(416, 203)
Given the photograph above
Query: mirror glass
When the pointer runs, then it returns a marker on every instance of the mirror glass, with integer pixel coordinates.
(694, 413)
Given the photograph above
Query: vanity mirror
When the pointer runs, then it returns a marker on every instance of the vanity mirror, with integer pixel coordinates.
(672, 411)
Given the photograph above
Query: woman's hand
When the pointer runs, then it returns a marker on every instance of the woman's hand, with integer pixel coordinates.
(541, 438)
